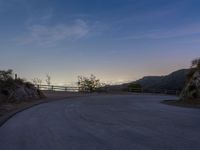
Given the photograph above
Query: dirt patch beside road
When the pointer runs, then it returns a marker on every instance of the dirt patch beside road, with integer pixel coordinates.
(7, 110)
(179, 103)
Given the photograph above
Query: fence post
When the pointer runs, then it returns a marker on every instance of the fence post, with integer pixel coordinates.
(52, 87)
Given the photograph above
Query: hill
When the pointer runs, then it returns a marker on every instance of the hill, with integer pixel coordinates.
(174, 81)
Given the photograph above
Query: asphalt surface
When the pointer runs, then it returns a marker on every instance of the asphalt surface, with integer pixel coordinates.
(131, 122)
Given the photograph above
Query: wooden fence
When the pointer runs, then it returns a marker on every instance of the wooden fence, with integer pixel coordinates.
(57, 88)
(136, 90)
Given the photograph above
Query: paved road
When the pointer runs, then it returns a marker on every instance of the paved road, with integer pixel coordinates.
(133, 122)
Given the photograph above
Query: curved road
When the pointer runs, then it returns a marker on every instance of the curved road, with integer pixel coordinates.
(131, 122)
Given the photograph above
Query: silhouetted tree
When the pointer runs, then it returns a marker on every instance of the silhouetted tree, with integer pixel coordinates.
(48, 79)
(195, 65)
(5, 75)
(88, 84)
(37, 81)
(6, 80)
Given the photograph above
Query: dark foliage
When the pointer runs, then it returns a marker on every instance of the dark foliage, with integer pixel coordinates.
(195, 65)
(134, 87)
(88, 84)
(6, 80)
(8, 84)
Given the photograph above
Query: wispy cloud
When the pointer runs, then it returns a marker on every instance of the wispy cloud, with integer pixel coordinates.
(46, 35)
(184, 31)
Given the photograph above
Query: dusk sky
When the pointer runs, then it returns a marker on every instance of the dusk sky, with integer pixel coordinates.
(116, 40)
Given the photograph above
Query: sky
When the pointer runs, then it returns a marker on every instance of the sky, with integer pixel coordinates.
(116, 40)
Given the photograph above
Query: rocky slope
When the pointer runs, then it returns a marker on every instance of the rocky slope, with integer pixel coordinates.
(192, 88)
(16, 90)
(21, 92)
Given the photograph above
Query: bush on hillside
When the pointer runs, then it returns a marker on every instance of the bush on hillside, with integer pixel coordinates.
(134, 87)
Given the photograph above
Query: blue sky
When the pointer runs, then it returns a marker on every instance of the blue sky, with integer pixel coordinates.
(117, 40)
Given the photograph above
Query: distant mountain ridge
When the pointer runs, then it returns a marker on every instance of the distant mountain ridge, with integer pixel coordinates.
(174, 81)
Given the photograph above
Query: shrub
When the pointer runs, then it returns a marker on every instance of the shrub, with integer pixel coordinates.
(134, 87)
(88, 84)
(6, 75)
(6, 80)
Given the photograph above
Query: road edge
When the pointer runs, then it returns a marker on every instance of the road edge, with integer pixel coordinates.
(11, 114)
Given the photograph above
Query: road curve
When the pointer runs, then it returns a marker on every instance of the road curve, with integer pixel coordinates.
(126, 122)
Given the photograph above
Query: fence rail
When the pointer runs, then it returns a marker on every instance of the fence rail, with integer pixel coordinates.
(57, 88)
(104, 89)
